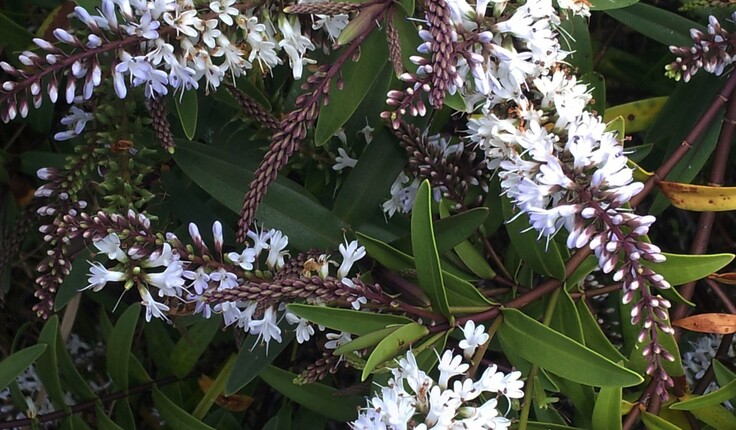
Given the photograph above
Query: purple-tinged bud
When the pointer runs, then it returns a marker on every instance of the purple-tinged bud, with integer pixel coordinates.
(71, 86)
(64, 36)
(23, 108)
(12, 111)
(35, 88)
(79, 69)
(43, 44)
(37, 100)
(52, 58)
(485, 36)
(9, 85)
(64, 135)
(93, 41)
(7, 68)
(26, 60)
(194, 234)
(217, 233)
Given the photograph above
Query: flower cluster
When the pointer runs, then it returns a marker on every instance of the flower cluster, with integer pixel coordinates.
(559, 165)
(414, 398)
(169, 273)
(155, 44)
(485, 65)
(712, 51)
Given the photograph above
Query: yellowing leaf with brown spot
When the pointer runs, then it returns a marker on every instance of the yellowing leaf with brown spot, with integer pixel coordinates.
(724, 278)
(699, 198)
(708, 323)
(233, 403)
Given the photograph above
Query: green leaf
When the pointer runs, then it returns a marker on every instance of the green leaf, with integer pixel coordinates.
(366, 341)
(103, 421)
(452, 230)
(355, 201)
(541, 255)
(426, 257)
(74, 281)
(460, 293)
(724, 375)
(217, 388)
(716, 416)
(594, 337)
(253, 358)
(638, 115)
(356, 322)
(654, 422)
(533, 425)
(14, 36)
(597, 85)
(658, 24)
(563, 356)
(607, 411)
(187, 108)
(16, 363)
(123, 414)
(468, 254)
(565, 318)
(715, 398)
(174, 416)
(47, 365)
(120, 345)
(395, 343)
(610, 4)
(680, 269)
(74, 380)
(193, 344)
(359, 77)
(577, 42)
(286, 205)
(317, 397)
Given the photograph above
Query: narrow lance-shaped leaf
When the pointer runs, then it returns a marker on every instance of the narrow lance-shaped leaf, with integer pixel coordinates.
(426, 258)
(119, 346)
(351, 321)
(16, 363)
(175, 416)
(680, 269)
(708, 323)
(699, 198)
(563, 356)
(395, 343)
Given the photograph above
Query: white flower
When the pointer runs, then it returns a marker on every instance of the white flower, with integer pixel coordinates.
(277, 243)
(153, 308)
(343, 160)
(170, 281)
(200, 279)
(450, 365)
(99, 276)
(227, 280)
(294, 43)
(304, 330)
(230, 312)
(146, 28)
(224, 9)
(336, 340)
(395, 406)
(162, 257)
(245, 259)
(350, 254)
(473, 337)
(266, 328)
(77, 119)
(260, 239)
(184, 21)
(110, 245)
(443, 406)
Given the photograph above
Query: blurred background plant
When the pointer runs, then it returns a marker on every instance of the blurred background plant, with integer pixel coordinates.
(388, 184)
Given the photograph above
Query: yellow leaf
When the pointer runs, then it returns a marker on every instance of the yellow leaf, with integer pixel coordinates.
(233, 403)
(699, 198)
(708, 323)
(638, 115)
(640, 174)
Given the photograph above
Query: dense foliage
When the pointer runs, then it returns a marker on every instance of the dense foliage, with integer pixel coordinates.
(382, 215)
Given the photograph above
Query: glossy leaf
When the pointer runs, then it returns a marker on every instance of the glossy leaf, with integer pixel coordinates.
(174, 416)
(16, 363)
(637, 115)
(468, 254)
(451, 230)
(366, 341)
(395, 343)
(195, 341)
(716, 416)
(47, 365)
(699, 198)
(610, 4)
(714, 398)
(577, 42)
(355, 201)
(708, 323)
(286, 205)
(654, 422)
(317, 397)
(253, 358)
(187, 107)
(724, 375)
(607, 411)
(426, 257)
(356, 322)
(658, 24)
(359, 77)
(119, 346)
(594, 337)
(563, 356)
(541, 255)
(680, 269)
